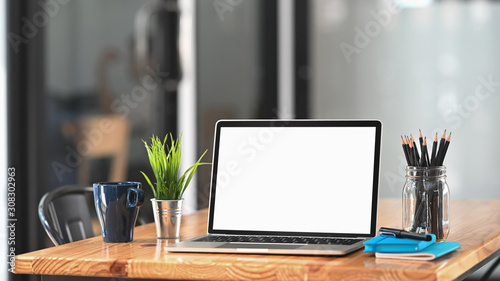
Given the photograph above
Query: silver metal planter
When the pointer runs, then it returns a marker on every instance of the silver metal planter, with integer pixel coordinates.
(167, 214)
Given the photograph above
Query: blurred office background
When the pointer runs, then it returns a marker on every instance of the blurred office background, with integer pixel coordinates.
(159, 66)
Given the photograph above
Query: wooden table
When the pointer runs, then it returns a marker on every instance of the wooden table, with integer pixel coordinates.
(474, 224)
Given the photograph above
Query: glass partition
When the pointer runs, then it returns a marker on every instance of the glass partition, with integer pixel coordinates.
(432, 66)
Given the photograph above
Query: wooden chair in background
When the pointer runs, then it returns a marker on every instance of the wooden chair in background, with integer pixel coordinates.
(103, 136)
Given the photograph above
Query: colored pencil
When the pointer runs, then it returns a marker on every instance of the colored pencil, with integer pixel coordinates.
(429, 211)
(423, 159)
(425, 152)
(434, 146)
(412, 154)
(421, 140)
(440, 150)
(415, 150)
(405, 149)
(445, 149)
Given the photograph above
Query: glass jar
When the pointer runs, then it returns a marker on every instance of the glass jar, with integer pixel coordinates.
(426, 201)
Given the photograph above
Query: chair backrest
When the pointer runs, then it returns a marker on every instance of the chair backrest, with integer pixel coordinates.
(65, 214)
(103, 136)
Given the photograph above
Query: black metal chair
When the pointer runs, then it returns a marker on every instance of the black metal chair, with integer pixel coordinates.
(66, 215)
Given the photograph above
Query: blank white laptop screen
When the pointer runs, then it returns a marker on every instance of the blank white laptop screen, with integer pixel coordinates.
(295, 179)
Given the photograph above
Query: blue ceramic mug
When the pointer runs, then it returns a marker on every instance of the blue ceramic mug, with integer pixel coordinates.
(117, 205)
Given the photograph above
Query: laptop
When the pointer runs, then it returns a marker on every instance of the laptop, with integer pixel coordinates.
(298, 187)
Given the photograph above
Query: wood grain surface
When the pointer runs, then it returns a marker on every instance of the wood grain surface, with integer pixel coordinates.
(474, 224)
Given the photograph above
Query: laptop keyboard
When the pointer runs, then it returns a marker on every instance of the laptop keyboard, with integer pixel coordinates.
(279, 239)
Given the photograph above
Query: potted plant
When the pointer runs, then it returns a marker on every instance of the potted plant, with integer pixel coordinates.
(170, 184)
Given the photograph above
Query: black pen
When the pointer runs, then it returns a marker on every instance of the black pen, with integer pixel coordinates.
(399, 233)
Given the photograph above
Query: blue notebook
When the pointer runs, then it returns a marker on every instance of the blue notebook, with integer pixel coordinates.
(431, 252)
(388, 244)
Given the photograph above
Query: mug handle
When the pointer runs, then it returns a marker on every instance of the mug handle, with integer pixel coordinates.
(137, 198)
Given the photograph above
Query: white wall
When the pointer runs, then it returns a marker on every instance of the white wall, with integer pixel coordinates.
(418, 68)
(187, 97)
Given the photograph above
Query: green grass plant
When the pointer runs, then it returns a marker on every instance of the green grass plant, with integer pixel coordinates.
(165, 162)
